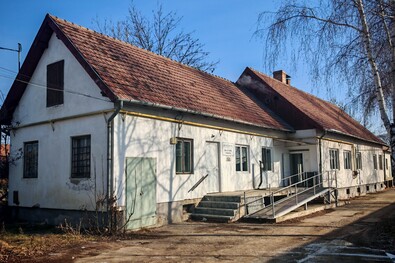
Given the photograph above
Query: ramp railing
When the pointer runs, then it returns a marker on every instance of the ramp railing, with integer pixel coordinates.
(298, 188)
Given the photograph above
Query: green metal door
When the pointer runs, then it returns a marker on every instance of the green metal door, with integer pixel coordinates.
(140, 192)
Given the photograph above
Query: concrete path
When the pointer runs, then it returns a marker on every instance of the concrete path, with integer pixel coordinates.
(339, 235)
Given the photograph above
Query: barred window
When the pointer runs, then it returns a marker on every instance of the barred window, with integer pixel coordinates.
(81, 157)
(30, 160)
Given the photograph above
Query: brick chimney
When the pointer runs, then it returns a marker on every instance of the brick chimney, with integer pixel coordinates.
(282, 76)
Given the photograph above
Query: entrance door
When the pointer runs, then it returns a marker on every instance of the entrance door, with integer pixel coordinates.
(212, 167)
(296, 166)
(140, 192)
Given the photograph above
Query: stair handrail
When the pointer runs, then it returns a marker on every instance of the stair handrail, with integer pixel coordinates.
(198, 183)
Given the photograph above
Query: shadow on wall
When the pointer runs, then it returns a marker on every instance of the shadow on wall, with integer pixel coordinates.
(152, 141)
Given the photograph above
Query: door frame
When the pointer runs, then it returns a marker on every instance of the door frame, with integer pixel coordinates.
(291, 166)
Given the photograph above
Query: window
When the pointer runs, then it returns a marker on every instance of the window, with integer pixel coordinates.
(358, 158)
(375, 161)
(30, 160)
(81, 157)
(380, 162)
(386, 164)
(184, 157)
(55, 76)
(347, 159)
(267, 159)
(241, 158)
(334, 159)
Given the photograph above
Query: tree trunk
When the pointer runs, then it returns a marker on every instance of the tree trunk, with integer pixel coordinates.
(376, 74)
(392, 132)
(390, 127)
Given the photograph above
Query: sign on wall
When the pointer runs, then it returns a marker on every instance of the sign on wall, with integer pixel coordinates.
(228, 149)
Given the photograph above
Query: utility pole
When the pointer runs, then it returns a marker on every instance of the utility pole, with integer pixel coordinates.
(19, 50)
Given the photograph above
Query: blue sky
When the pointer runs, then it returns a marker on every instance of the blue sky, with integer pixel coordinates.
(225, 27)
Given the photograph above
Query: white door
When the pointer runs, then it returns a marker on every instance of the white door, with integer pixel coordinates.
(212, 167)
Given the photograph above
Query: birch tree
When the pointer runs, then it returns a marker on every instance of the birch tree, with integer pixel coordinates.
(161, 34)
(352, 41)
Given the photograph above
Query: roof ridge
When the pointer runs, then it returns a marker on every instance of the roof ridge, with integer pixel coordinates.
(304, 92)
(140, 48)
(333, 106)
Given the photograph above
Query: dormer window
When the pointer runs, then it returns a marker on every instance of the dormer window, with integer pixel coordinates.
(55, 80)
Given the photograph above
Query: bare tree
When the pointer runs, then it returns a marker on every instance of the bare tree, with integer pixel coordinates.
(160, 35)
(347, 40)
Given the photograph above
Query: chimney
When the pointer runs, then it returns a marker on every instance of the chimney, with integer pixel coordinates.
(282, 76)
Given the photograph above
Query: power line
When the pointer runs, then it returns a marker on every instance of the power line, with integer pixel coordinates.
(47, 88)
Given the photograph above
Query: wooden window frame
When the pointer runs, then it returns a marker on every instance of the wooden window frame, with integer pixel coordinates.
(267, 159)
(334, 163)
(347, 160)
(381, 162)
(358, 160)
(242, 166)
(183, 156)
(375, 161)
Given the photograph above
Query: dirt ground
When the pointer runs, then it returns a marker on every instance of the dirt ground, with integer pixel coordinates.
(358, 231)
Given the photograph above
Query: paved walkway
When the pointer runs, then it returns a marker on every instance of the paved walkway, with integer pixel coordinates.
(330, 236)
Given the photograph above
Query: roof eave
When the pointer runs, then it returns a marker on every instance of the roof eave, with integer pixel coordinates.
(205, 114)
(355, 137)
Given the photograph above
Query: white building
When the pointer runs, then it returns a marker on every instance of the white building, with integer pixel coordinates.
(104, 125)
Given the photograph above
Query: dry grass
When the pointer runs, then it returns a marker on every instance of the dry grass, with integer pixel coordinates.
(27, 242)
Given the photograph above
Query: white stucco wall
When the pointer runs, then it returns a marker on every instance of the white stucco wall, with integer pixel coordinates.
(367, 175)
(32, 106)
(53, 187)
(144, 137)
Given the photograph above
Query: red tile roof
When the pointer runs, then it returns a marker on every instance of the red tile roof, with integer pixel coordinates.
(126, 72)
(303, 110)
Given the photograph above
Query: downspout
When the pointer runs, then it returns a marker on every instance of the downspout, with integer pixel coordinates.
(110, 154)
(320, 149)
(385, 170)
(260, 174)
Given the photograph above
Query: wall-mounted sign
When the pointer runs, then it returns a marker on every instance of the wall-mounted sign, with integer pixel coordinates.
(228, 149)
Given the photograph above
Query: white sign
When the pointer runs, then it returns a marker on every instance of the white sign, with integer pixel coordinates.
(228, 149)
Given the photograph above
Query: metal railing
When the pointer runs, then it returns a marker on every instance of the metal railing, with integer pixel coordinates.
(289, 179)
(197, 183)
(297, 189)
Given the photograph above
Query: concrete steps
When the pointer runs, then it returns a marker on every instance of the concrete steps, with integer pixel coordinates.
(218, 208)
